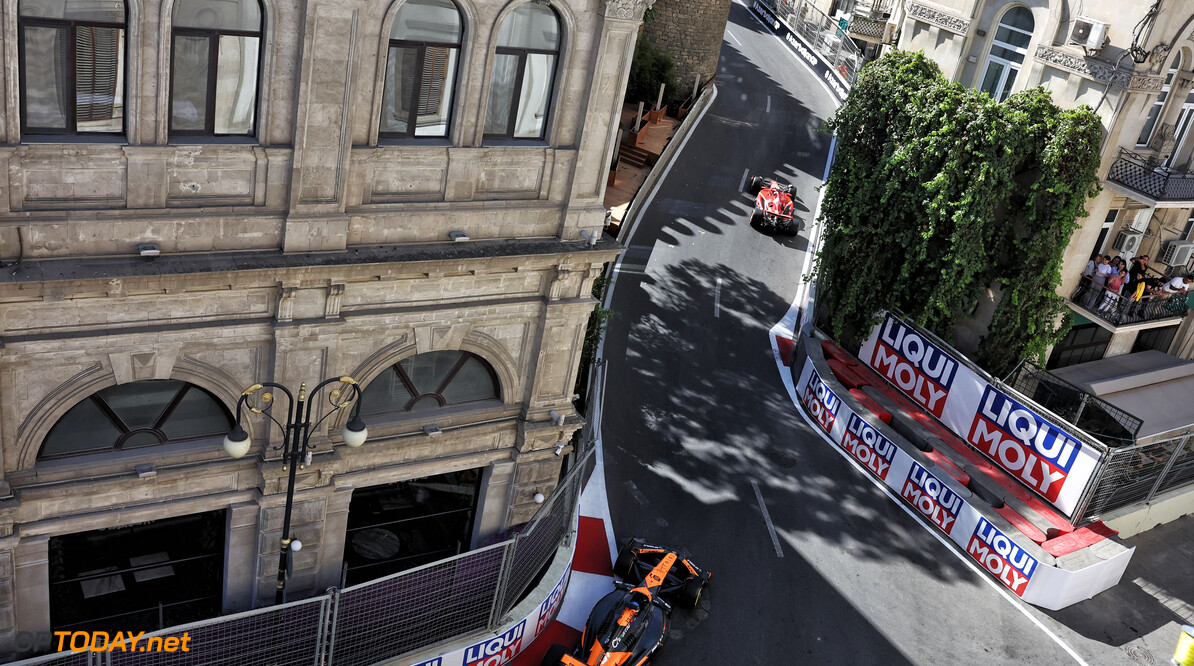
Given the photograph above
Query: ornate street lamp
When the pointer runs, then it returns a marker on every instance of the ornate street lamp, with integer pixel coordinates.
(296, 443)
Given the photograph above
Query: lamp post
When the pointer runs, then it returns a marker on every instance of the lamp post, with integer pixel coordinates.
(296, 443)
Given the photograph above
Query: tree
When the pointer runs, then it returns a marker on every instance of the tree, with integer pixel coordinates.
(937, 191)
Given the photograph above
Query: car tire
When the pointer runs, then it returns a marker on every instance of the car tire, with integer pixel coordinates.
(755, 185)
(624, 566)
(757, 218)
(793, 228)
(690, 594)
(554, 655)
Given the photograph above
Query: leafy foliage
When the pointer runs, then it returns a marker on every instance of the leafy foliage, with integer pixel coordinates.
(649, 68)
(937, 191)
(597, 320)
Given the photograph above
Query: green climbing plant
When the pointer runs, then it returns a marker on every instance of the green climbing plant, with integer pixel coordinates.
(937, 191)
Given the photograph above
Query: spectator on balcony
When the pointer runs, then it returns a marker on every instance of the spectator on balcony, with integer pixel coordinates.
(1103, 272)
(1084, 282)
(1112, 299)
(1178, 285)
(1136, 286)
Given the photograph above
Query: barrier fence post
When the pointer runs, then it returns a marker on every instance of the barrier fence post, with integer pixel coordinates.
(499, 593)
(1168, 465)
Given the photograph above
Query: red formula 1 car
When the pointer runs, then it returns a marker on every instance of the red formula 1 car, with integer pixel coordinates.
(773, 206)
(630, 623)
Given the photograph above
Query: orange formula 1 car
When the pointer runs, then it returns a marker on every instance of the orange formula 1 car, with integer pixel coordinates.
(630, 623)
(773, 206)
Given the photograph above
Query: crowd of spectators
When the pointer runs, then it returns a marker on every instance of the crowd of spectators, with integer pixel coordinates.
(1114, 285)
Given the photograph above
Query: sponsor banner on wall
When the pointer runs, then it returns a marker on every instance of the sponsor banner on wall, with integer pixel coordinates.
(939, 498)
(803, 50)
(503, 648)
(1030, 448)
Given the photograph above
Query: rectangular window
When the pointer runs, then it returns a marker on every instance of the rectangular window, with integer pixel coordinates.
(192, 60)
(236, 84)
(99, 79)
(435, 91)
(535, 95)
(47, 77)
(501, 93)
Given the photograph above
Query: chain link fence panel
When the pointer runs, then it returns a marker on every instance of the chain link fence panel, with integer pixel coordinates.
(1129, 476)
(415, 609)
(1181, 471)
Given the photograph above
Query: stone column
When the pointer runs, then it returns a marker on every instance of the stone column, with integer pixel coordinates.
(335, 533)
(319, 174)
(610, 68)
(32, 584)
(240, 559)
(494, 500)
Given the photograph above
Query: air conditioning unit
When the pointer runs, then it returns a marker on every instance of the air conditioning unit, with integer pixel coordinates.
(1128, 242)
(1177, 253)
(1089, 33)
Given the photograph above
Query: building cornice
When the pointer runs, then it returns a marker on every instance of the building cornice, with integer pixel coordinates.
(934, 16)
(1096, 71)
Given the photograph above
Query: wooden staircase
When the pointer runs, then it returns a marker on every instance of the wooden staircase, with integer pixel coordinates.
(635, 157)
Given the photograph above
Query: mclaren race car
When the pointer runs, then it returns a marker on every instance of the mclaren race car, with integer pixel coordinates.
(773, 206)
(630, 623)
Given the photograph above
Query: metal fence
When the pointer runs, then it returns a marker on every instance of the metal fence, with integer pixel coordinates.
(1119, 309)
(378, 620)
(1135, 474)
(1151, 177)
(1095, 416)
(820, 30)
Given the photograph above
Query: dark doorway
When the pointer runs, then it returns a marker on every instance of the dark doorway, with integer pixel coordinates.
(138, 577)
(1159, 339)
(1085, 342)
(403, 525)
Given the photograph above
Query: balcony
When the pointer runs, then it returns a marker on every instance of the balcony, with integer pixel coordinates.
(1147, 181)
(867, 29)
(1118, 311)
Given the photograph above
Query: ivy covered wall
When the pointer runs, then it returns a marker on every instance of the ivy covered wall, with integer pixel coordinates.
(937, 192)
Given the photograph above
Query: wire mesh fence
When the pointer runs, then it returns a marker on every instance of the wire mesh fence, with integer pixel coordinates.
(1132, 474)
(1095, 416)
(415, 609)
(372, 622)
(821, 31)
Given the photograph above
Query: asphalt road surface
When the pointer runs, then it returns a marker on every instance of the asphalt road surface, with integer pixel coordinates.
(697, 425)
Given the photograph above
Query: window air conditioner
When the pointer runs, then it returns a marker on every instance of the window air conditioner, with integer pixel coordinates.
(1088, 33)
(1128, 242)
(1177, 253)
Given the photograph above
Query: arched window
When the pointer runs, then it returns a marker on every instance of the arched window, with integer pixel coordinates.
(216, 53)
(523, 73)
(72, 66)
(1154, 113)
(1007, 52)
(430, 381)
(421, 69)
(134, 415)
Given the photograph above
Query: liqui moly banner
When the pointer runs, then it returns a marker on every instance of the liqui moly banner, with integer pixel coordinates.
(935, 500)
(820, 401)
(999, 555)
(1030, 448)
(868, 446)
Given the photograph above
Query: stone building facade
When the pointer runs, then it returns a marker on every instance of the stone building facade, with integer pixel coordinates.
(204, 194)
(690, 31)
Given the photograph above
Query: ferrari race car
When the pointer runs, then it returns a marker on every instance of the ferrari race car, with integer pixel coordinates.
(773, 206)
(630, 623)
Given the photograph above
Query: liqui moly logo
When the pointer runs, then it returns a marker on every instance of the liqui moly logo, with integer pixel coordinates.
(1035, 451)
(496, 651)
(550, 605)
(932, 497)
(868, 446)
(438, 661)
(1001, 556)
(821, 402)
(919, 368)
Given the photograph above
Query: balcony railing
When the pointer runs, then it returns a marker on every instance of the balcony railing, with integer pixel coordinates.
(865, 27)
(1119, 310)
(1147, 176)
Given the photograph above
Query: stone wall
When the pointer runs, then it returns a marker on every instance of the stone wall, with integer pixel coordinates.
(691, 32)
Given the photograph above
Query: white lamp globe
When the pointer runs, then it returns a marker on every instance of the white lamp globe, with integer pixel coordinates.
(237, 442)
(355, 433)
